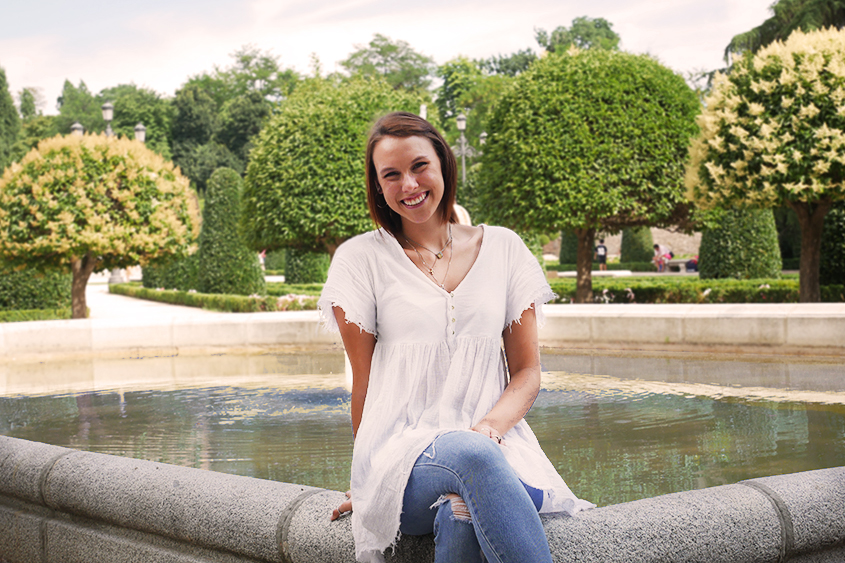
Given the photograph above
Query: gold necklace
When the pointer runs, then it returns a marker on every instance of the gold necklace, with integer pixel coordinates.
(431, 268)
(437, 255)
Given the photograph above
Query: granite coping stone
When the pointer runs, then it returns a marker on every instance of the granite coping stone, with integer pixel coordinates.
(81, 500)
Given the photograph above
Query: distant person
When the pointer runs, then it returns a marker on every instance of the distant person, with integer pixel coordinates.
(662, 255)
(601, 255)
(692, 264)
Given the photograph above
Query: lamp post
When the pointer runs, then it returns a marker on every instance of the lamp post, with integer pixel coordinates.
(76, 129)
(462, 125)
(108, 114)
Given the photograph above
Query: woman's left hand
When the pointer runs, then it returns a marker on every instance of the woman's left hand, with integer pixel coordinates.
(488, 431)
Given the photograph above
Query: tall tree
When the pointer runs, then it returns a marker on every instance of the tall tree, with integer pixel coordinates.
(79, 104)
(254, 71)
(508, 65)
(133, 105)
(303, 184)
(10, 123)
(240, 121)
(395, 61)
(30, 101)
(588, 140)
(83, 205)
(788, 16)
(773, 133)
(585, 33)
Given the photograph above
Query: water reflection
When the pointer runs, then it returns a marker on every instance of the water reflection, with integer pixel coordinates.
(285, 417)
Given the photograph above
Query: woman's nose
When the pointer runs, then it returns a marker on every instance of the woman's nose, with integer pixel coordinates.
(409, 182)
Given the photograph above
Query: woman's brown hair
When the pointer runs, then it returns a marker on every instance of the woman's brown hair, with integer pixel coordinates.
(404, 124)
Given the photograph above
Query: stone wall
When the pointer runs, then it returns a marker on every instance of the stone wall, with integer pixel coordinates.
(63, 505)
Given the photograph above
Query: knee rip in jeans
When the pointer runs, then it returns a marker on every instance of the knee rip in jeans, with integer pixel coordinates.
(460, 512)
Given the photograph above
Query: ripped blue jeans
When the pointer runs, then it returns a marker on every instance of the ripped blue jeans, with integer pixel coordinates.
(498, 520)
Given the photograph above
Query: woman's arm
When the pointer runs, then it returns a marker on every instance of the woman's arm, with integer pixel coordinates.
(359, 347)
(523, 354)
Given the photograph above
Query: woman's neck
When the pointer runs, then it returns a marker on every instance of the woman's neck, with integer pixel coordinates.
(428, 235)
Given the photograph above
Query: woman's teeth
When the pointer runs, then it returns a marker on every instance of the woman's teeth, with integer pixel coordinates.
(415, 201)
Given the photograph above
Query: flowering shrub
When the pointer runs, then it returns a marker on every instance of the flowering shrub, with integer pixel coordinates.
(89, 203)
(773, 133)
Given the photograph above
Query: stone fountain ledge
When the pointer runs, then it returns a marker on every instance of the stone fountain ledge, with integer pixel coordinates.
(791, 329)
(59, 504)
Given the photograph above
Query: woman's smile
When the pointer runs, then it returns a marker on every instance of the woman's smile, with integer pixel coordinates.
(416, 200)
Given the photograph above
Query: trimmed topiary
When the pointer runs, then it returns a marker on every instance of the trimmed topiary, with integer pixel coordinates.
(30, 289)
(568, 247)
(637, 245)
(275, 260)
(305, 266)
(741, 244)
(172, 273)
(832, 263)
(226, 265)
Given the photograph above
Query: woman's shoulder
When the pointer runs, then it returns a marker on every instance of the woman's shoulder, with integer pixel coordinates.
(502, 235)
(364, 243)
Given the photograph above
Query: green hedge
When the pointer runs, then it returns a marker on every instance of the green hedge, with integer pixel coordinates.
(279, 288)
(172, 273)
(741, 244)
(30, 289)
(275, 261)
(35, 315)
(692, 290)
(633, 266)
(219, 302)
(568, 247)
(832, 262)
(303, 266)
(637, 245)
(226, 264)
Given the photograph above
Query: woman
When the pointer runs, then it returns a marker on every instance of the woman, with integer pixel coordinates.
(423, 305)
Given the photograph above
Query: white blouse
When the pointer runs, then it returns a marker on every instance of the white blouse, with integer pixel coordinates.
(437, 367)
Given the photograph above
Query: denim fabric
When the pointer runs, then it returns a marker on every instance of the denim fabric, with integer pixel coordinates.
(505, 525)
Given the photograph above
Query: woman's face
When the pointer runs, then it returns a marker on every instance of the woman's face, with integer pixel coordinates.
(408, 171)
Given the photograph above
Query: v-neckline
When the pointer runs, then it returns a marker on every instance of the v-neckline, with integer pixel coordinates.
(432, 282)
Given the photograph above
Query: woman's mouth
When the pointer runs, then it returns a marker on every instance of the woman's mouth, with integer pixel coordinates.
(415, 201)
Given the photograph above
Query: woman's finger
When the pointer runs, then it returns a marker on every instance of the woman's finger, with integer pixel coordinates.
(342, 509)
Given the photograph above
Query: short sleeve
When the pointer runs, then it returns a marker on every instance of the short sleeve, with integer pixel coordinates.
(350, 287)
(527, 284)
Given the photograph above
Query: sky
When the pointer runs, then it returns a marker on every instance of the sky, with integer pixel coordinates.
(158, 44)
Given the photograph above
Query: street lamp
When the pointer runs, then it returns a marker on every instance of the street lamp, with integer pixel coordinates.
(462, 125)
(76, 129)
(108, 114)
(140, 132)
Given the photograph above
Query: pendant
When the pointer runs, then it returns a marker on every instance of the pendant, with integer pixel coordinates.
(439, 255)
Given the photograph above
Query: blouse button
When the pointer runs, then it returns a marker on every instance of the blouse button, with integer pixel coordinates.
(453, 319)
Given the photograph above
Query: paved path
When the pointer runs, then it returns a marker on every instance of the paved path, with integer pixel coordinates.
(105, 305)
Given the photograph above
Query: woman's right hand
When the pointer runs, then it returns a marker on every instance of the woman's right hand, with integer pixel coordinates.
(344, 508)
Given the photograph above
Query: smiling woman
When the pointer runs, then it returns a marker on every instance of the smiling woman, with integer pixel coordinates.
(422, 306)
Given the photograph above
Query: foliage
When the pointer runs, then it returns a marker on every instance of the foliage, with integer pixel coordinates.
(240, 120)
(508, 65)
(832, 270)
(92, 203)
(275, 260)
(773, 133)
(304, 184)
(279, 288)
(585, 33)
(788, 16)
(78, 104)
(28, 101)
(10, 123)
(31, 289)
(172, 272)
(467, 89)
(33, 131)
(568, 247)
(789, 233)
(226, 265)
(218, 302)
(588, 141)
(692, 290)
(305, 266)
(34, 315)
(394, 61)
(133, 105)
(637, 245)
(741, 244)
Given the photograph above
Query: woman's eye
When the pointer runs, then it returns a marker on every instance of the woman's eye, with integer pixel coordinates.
(420, 165)
(391, 176)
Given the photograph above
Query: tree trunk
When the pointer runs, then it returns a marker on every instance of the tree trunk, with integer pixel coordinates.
(584, 286)
(82, 269)
(811, 218)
